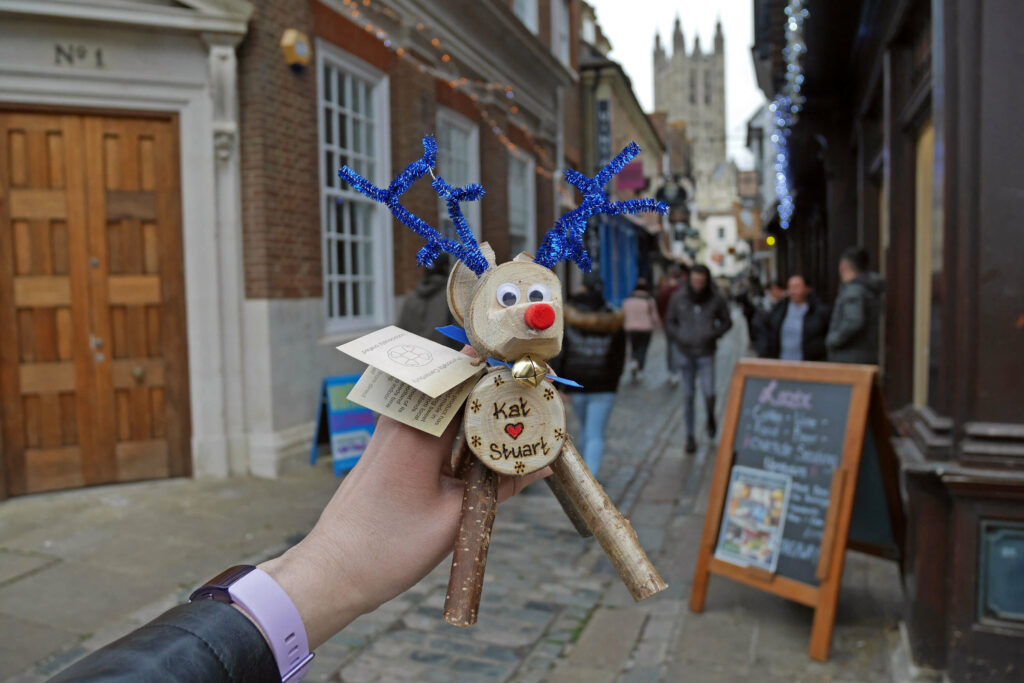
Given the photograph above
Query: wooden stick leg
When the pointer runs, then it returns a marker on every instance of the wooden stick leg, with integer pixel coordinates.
(610, 528)
(469, 557)
(555, 484)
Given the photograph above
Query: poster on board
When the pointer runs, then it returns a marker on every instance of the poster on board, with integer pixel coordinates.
(754, 517)
(345, 425)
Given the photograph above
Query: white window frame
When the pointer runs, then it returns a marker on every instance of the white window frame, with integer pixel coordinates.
(530, 193)
(527, 12)
(471, 210)
(383, 280)
(561, 18)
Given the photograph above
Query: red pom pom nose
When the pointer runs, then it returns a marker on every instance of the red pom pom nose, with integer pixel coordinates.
(540, 316)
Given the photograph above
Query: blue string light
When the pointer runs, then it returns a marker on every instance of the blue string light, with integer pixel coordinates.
(786, 106)
(565, 239)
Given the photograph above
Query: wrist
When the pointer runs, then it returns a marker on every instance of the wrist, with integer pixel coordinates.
(327, 598)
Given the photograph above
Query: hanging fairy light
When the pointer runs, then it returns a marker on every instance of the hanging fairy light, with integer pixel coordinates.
(785, 108)
(545, 166)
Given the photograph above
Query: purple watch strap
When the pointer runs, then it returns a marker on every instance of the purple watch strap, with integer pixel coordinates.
(270, 607)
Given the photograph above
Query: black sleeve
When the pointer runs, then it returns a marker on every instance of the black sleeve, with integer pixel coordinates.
(199, 642)
(724, 317)
(618, 353)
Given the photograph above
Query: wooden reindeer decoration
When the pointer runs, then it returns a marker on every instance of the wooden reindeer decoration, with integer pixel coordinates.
(514, 421)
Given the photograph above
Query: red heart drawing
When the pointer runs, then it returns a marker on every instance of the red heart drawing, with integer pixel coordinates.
(514, 430)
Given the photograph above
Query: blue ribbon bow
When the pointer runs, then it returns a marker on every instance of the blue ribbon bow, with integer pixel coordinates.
(458, 334)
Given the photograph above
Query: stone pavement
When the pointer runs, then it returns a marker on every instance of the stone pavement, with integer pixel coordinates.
(78, 569)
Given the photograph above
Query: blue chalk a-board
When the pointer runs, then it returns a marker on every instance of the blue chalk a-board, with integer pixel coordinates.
(346, 426)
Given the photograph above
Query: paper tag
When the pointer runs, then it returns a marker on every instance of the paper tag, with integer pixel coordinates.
(389, 396)
(421, 363)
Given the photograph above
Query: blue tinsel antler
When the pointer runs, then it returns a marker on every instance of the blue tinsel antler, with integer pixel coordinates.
(467, 250)
(565, 239)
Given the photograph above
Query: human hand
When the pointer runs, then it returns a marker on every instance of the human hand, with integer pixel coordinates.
(392, 520)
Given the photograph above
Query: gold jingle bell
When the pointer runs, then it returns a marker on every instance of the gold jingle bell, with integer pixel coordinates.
(529, 372)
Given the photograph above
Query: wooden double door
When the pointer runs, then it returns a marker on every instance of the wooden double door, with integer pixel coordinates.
(93, 362)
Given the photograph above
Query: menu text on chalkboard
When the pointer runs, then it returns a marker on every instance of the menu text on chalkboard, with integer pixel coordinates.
(795, 428)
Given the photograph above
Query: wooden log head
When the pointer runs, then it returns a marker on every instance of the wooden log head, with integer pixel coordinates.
(511, 310)
(513, 429)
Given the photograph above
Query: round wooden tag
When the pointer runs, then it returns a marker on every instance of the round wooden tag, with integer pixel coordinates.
(514, 429)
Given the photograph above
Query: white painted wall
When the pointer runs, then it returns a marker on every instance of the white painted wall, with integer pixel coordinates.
(146, 69)
(719, 234)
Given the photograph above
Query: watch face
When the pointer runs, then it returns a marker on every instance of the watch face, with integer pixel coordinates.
(217, 587)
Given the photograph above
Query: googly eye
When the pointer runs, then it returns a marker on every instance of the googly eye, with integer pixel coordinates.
(538, 292)
(508, 294)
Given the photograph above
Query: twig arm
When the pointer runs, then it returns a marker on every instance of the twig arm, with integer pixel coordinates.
(469, 556)
(610, 528)
(568, 507)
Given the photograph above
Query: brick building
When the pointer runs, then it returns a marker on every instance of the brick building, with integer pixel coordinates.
(625, 247)
(177, 311)
(495, 82)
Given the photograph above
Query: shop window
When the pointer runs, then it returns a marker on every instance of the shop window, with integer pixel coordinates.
(522, 228)
(356, 232)
(928, 268)
(526, 10)
(1001, 564)
(458, 162)
(560, 30)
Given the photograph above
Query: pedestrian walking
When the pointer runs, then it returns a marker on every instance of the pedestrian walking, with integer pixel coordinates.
(426, 307)
(641, 318)
(853, 334)
(759, 330)
(677, 278)
(797, 325)
(593, 354)
(698, 316)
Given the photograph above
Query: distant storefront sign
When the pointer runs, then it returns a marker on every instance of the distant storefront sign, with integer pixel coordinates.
(604, 132)
(631, 177)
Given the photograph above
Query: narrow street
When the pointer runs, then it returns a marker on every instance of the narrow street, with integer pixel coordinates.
(553, 609)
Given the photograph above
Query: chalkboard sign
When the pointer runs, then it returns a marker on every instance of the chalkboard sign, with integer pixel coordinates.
(802, 473)
(795, 429)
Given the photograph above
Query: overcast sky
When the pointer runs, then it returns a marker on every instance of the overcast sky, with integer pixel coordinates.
(631, 25)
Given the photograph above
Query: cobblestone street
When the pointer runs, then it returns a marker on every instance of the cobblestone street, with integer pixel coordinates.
(552, 610)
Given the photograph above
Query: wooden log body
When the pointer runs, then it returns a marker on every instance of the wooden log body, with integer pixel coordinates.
(514, 429)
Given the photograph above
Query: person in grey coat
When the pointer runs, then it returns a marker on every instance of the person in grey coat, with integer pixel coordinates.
(853, 331)
(426, 308)
(697, 317)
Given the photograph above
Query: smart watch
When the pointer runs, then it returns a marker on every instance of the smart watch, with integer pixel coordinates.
(269, 606)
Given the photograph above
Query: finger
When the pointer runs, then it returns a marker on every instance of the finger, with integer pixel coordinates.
(509, 486)
(411, 451)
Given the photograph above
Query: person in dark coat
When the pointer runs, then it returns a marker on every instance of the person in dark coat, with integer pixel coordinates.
(593, 354)
(677, 277)
(796, 327)
(426, 307)
(853, 333)
(759, 328)
(697, 317)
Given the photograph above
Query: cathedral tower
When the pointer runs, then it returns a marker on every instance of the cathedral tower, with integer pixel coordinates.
(690, 88)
